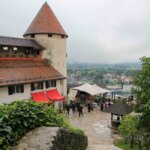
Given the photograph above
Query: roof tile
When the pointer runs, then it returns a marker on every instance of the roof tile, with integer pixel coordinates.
(12, 41)
(45, 22)
(26, 71)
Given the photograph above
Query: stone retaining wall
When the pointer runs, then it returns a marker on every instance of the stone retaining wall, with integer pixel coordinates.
(66, 140)
(52, 138)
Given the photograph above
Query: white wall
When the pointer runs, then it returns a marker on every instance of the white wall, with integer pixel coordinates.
(55, 52)
(5, 98)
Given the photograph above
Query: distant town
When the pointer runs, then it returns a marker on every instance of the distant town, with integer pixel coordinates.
(113, 77)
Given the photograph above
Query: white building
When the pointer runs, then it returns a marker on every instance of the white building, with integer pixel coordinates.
(36, 62)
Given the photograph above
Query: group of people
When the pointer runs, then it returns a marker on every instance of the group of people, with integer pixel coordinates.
(105, 104)
(76, 107)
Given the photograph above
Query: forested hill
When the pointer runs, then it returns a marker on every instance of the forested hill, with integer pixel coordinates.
(129, 65)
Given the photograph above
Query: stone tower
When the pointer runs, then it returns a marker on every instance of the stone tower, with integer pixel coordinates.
(46, 30)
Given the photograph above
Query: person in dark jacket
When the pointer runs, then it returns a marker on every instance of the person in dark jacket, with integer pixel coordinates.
(89, 107)
(102, 106)
(77, 106)
(68, 109)
(80, 109)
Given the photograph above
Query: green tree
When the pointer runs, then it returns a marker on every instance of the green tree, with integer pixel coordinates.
(128, 129)
(142, 82)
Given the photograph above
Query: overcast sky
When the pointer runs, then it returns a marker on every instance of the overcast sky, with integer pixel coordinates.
(100, 31)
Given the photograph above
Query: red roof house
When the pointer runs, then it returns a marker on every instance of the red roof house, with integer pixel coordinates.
(24, 69)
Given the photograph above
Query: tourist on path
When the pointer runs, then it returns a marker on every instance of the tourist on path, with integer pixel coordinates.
(80, 109)
(77, 106)
(89, 107)
(68, 109)
(73, 106)
(102, 106)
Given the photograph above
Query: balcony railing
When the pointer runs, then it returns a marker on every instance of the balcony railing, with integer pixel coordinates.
(18, 55)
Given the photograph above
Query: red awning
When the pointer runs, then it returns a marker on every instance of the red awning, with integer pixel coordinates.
(40, 97)
(54, 95)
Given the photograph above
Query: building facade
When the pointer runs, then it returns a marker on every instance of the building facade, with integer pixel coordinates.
(36, 62)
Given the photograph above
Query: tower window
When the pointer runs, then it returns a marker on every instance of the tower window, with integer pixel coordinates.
(32, 35)
(62, 36)
(49, 34)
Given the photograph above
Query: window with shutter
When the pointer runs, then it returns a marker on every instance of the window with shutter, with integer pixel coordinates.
(11, 89)
(51, 83)
(19, 88)
(32, 86)
(36, 86)
(40, 85)
(22, 88)
(47, 84)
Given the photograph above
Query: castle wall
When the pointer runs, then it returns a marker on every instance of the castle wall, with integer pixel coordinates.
(55, 53)
(5, 98)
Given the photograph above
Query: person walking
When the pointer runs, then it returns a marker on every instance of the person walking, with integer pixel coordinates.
(102, 106)
(109, 104)
(77, 106)
(73, 106)
(80, 110)
(67, 109)
(89, 107)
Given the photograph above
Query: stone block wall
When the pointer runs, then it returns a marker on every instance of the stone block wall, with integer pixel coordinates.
(66, 140)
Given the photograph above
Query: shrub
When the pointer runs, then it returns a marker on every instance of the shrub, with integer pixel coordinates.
(124, 146)
(142, 90)
(19, 117)
(129, 129)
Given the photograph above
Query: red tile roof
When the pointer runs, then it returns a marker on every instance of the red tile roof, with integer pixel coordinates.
(12, 41)
(26, 71)
(45, 22)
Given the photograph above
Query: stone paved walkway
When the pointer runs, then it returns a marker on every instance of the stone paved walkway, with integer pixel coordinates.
(95, 124)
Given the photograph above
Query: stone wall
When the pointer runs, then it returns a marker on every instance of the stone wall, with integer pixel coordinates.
(52, 138)
(55, 52)
(66, 140)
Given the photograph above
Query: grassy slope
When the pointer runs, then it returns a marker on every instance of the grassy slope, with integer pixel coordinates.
(125, 146)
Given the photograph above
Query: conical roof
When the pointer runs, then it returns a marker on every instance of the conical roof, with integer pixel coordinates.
(45, 22)
(119, 108)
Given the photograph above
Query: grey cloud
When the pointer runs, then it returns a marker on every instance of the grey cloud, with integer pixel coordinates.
(100, 31)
